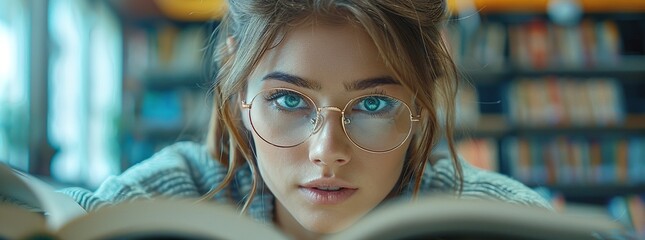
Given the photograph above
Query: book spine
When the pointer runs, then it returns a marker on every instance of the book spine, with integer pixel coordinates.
(555, 101)
(575, 160)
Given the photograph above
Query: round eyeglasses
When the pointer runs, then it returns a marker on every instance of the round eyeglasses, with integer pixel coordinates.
(286, 118)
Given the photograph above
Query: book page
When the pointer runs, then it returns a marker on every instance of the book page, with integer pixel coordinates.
(16, 223)
(12, 187)
(57, 207)
(450, 218)
(163, 218)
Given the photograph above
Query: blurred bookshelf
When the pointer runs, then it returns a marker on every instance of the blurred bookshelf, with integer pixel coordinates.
(560, 105)
(165, 84)
(555, 101)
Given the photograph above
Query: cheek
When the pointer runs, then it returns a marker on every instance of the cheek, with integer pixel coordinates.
(276, 165)
(386, 173)
(378, 174)
(391, 168)
(267, 159)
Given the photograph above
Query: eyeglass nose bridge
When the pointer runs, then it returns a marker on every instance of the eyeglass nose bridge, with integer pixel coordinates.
(318, 121)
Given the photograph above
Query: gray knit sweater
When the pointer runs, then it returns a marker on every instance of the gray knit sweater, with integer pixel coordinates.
(186, 169)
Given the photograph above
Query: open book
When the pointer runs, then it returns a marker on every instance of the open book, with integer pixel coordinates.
(36, 196)
(425, 218)
(32, 209)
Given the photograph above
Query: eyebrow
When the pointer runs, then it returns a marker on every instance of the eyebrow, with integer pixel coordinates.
(351, 86)
(370, 83)
(295, 80)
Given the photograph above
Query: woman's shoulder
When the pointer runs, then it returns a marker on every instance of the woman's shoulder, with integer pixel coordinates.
(189, 160)
(183, 169)
(440, 176)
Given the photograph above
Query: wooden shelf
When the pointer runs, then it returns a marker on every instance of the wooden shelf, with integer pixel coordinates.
(192, 10)
(489, 125)
(628, 69)
(541, 6)
(586, 191)
(172, 10)
(497, 125)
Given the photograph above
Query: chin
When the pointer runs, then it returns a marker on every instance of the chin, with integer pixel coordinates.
(328, 225)
(328, 228)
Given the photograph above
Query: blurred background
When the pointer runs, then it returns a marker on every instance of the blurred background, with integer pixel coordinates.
(553, 93)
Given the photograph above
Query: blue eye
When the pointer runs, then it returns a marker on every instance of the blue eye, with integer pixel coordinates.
(371, 103)
(290, 101)
(287, 100)
(374, 104)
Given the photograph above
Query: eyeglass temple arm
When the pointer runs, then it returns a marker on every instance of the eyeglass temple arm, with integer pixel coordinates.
(245, 105)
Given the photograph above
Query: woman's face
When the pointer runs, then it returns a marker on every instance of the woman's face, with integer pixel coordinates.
(331, 64)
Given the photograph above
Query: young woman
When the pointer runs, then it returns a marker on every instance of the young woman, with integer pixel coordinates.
(322, 111)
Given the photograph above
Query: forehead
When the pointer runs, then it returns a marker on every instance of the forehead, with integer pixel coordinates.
(329, 54)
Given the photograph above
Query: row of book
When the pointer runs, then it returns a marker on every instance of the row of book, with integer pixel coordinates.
(554, 101)
(479, 152)
(575, 160)
(629, 211)
(166, 48)
(482, 46)
(536, 44)
(466, 107)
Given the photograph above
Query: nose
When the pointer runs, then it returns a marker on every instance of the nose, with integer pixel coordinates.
(329, 146)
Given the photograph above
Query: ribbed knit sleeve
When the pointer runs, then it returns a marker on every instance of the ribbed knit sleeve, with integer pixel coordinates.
(182, 170)
(480, 184)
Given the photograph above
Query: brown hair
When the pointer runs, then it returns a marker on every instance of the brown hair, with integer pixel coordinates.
(407, 35)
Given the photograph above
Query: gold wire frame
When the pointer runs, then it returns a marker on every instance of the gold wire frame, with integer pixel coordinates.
(413, 119)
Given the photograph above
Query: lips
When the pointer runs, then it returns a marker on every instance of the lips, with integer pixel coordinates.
(327, 191)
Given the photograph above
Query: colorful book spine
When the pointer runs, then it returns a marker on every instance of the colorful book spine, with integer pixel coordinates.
(555, 101)
(575, 160)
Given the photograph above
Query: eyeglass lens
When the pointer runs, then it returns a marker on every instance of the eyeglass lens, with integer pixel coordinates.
(286, 118)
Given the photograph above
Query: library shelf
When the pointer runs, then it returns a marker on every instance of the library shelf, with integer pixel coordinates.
(595, 191)
(628, 69)
(497, 125)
